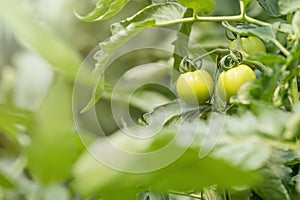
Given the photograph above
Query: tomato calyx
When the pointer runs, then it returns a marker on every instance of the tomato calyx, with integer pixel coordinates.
(188, 65)
(231, 60)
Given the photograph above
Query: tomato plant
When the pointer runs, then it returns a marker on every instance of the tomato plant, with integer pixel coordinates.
(171, 107)
(194, 87)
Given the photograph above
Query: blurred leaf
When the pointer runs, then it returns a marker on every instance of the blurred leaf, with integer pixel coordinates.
(267, 58)
(5, 182)
(286, 157)
(43, 40)
(55, 145)
(288, 6)
(271, 6)
(292, 126)
(246, 152)
(276, 8)
(260, 89)
(193, 173)
(56, 192)
(286, 28)
(206, 6)
(10, 117)
(266, 119)
(162, 114)
(104, 9)
(151, 16)
(126, 89)
(272, 186)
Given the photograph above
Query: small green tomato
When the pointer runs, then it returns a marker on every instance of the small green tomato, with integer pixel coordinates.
(248, 45)
(195, 87)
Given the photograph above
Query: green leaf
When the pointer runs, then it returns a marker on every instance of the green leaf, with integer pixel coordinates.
(10, 117)
(292, 126)
(5, 182)
(56, 191)
(273, 185)
(267, 117)
(241, 142)
(288, 6)
(193, 173)
(271, 6)
(54, 143)
(151, 16)
(267, 58)
(104, 9)
(206, 6)
(266, 33)
(239, 145)
(279, 7)
(41, 39)
(162, 114)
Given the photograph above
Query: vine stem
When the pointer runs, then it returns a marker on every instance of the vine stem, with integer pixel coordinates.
(294, 88)
(255, 21)
(242, 16)
(282, 48)
(284, 146)
(215, 51)
(259, 66)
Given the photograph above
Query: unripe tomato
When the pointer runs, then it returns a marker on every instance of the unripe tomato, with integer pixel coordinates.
(248, 45)
(195, 87)
(230, 81)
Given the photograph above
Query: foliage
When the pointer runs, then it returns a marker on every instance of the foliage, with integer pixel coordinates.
(243, 147)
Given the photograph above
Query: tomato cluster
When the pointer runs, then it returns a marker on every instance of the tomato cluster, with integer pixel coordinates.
(196, 87)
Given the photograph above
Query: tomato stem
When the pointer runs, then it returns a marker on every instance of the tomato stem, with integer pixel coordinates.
(255, 21)
(259, 66)
(218, 51)
(292, 146)
(282, 48)
(294, 87)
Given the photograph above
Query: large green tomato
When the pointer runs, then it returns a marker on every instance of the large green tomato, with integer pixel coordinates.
(230, 81)
(249, 45)
(195, 87)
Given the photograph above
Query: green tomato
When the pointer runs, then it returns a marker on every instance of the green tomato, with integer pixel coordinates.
(195, 87)
(230, 81)
(248, 45)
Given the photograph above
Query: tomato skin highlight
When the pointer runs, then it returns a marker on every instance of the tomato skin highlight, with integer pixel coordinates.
(230, 81)
(248, 45)
(195, 87)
